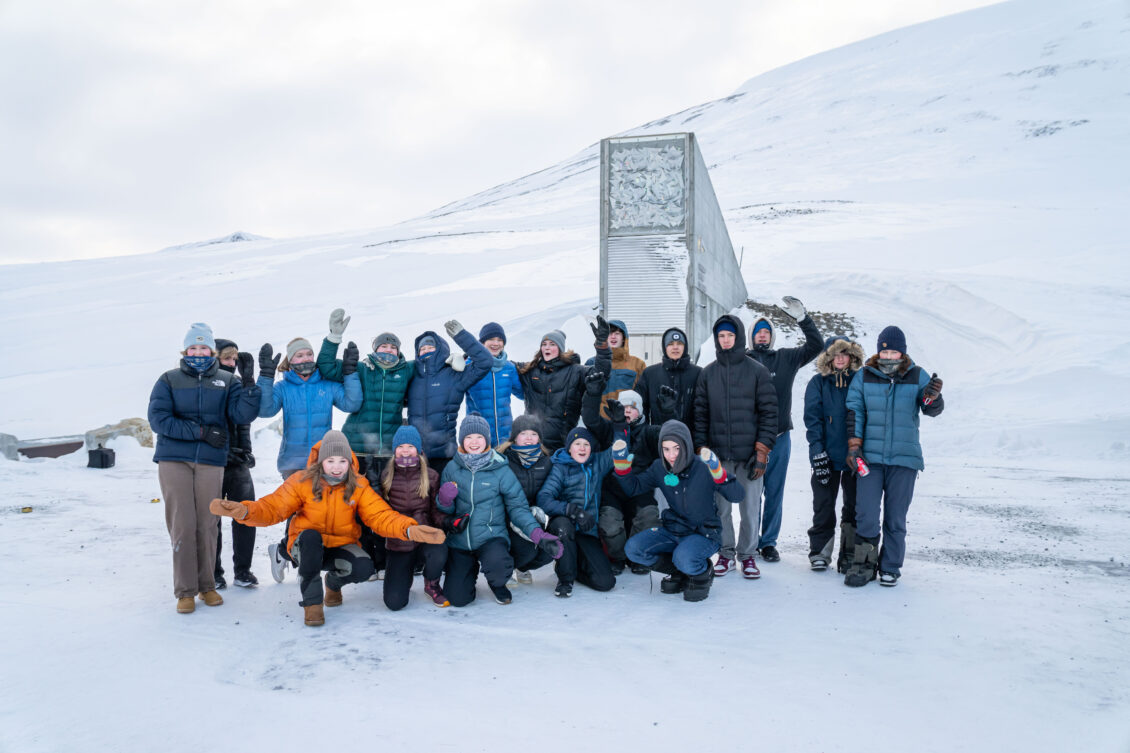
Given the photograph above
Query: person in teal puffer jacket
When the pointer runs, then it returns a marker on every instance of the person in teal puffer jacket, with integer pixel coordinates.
(490, 396)
(385, 375)
(883, 402)
(305, 399)
(480, 497)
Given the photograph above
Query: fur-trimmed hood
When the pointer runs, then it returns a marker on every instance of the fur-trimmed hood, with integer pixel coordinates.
(833, 347)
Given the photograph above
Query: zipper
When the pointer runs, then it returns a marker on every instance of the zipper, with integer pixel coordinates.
(494, 397)
(199, 409)
(471, 514)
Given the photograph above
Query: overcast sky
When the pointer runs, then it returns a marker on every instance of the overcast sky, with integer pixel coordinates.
(126, 127)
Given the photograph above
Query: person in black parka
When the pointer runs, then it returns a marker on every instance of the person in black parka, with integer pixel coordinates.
(238, 485)
(667, 388)
(531, 463)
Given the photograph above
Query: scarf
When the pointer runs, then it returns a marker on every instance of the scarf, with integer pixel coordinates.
(476, 461)
(527, 454)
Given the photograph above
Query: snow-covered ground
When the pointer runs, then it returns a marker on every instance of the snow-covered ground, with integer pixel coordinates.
(964, 178)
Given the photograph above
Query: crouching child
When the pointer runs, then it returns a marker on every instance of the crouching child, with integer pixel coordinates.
(691, 531)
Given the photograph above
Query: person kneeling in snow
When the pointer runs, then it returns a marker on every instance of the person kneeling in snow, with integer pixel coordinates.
(883, 403)
(691, 532)
(326, 500)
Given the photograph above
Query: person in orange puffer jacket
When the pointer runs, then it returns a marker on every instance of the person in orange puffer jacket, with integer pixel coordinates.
(325, 501)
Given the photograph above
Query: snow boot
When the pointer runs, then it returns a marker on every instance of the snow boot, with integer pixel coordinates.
(432, 589)
(212, 598)
(847, 548)
(333, 598)
(698, 586)
(618, 566)
(186, 605)
(315, 615)
(638, 569)
(865, 561)
(675, 582)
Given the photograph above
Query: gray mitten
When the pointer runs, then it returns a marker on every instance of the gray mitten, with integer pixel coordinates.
(453, 327)
(338, 322)
(793, 307)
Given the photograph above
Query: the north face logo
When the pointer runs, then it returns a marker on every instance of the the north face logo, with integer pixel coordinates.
(217, 382)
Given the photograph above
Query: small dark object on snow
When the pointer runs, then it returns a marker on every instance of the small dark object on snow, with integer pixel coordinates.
(100, 457)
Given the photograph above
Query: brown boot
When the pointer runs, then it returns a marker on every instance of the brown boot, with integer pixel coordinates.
(186, 605)
(315, 616)
(333, 598)
(212, 598)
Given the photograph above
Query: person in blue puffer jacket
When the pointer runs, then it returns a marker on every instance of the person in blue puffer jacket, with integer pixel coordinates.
(884, 401)
(490, 396)
(479, 499)
(825, 419)
(571, 498)
(305, 399)
(438, 387)
(189, 411)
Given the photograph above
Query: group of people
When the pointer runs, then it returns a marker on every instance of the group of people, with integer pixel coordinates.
(613, 465)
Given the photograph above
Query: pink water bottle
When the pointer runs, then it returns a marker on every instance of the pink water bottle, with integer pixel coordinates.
(861, 467)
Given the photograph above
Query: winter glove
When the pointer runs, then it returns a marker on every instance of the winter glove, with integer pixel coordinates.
(580, 517)
(268, 365)
(793, 308)
(600, 332)
(245, 365)
(548, 543)
(667, 400)
(594, 383)
(447, 494)
(216, 436)
(757, 462)
(933, 390)
(615, 410)
(539, 515)
(349, 359)
(456, 523)
(621, 460)
(425, 535)
(717, 472)
(453, 327)
(338, 322)
(855, 453)
(228, 508)
(821, 468)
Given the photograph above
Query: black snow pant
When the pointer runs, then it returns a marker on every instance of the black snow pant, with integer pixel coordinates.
(238, 487)
(345, 564)
(824, 509)
(371, 467)
(583, 559)
(463, 570)
(399, 568)
(622, 517)
(526, 555)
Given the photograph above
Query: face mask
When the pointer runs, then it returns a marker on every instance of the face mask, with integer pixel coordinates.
(199, 363)
(407, 462)
(762, 347)
(889, 365)
(229, 369)
(304, 369)
(386, 359)
(333, 480)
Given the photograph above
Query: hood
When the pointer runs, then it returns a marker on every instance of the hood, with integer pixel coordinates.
(682, 362)
(312, 458)
(834, 345)
(772, 332)
(677, 431)
(442, 352)
(738, 351)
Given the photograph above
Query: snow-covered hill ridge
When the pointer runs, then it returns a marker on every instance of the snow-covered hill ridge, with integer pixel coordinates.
(964, 178)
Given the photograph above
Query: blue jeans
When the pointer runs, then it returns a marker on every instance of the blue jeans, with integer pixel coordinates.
(775, 472)
(690, 554)
(891, 487)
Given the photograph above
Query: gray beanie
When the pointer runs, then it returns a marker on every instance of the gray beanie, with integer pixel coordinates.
(200, 334)
(525, 422)
(334, 444)
(386, 338)
(473, 424)
(631, 397)
(557, 337)
(295, 345)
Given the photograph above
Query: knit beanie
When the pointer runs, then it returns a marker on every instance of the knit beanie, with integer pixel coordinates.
(674, 335)
(334, 444)
(580, 433)
(428, 340)
(726, 326)
(408, 434)
(522, 423)
(200, 334)
(631, 397)
(492, 329)
(762, 324)
(892, 338)
(557, 337)
(386, 338)
(473, 424)
(295, 345)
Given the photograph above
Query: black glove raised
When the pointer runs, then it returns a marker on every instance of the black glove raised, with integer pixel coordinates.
(600, 332)
(216, 436)
(349, 359)
(933, 390)
(821, 468)
(594, 383)
(615, 410)
(453, 523)
(245, 365)
(268, 365)
(580, 517)
(667, 400)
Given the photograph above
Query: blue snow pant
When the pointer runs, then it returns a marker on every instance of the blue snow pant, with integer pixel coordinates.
(690, 553)
(893, 486)
(775, 472)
